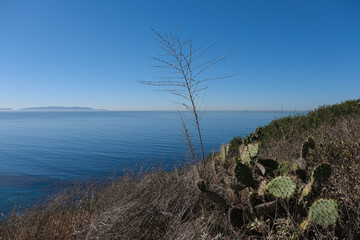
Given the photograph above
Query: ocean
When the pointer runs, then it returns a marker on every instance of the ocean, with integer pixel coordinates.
(42, 152)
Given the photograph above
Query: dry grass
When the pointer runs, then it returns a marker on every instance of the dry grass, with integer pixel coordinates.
(167, 205)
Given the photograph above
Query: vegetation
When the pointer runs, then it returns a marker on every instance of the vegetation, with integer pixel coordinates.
(296, 178)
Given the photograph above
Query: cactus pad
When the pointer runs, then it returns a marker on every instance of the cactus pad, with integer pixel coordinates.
(201, 186)
(281, 187)
(245, 156)
(253, 149)
(309, 143)
(284, 168)
(324, 212)
(301, 174)
(236, 217)
(269, 163)
(321, 173)
(243, 174)
(223, 153)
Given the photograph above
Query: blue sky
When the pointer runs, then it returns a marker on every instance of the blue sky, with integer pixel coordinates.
(295, 54)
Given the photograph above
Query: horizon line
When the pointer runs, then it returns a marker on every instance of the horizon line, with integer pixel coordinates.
(153, 110)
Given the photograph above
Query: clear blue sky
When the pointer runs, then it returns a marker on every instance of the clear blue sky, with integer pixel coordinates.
(298, 54)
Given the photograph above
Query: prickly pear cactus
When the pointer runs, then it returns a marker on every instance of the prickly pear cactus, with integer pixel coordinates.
(245, 157)
(309, 143)
(324, 212)
(223, 153)
(284, 168)
(253, 149)
(236, 217)
(321, 173)
(269, 163)
(243, 174)
(201, 186)
(248, 152)
(281, 187)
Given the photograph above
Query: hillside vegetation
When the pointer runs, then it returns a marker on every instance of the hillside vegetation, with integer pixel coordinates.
(296, 178)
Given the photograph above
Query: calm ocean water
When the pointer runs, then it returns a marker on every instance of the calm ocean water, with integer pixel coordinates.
(40, 152)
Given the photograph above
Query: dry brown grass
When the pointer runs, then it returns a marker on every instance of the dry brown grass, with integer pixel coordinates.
(167, 205)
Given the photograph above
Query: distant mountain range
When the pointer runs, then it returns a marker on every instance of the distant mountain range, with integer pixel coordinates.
(56, 108)
(6, 109)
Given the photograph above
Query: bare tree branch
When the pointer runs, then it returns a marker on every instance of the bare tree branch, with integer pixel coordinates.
(179, 57)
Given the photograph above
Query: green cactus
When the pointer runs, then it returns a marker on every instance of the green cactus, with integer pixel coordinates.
(301, 174)
(253, 149)
(223, 153)
(284, 168)
(324, 212)
(201, 185)
(236, 217)
(254, 136)
(311, 142)
(321, 173)
(269, 163)
(245, 156)
(243, 174)
(233, 184)
(308, 144)
(281, 187)
(248, 152)
(236, 160)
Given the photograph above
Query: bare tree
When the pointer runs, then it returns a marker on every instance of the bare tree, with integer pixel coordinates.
(185, 70)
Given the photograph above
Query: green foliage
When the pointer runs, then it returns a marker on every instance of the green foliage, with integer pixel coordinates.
(253, 182)
(284, 168)
(324, 212)
(298, 124)
(244, 175)
(281, 187)
(321, 173)
(201, 185)
(234, 146)
(254, 136)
